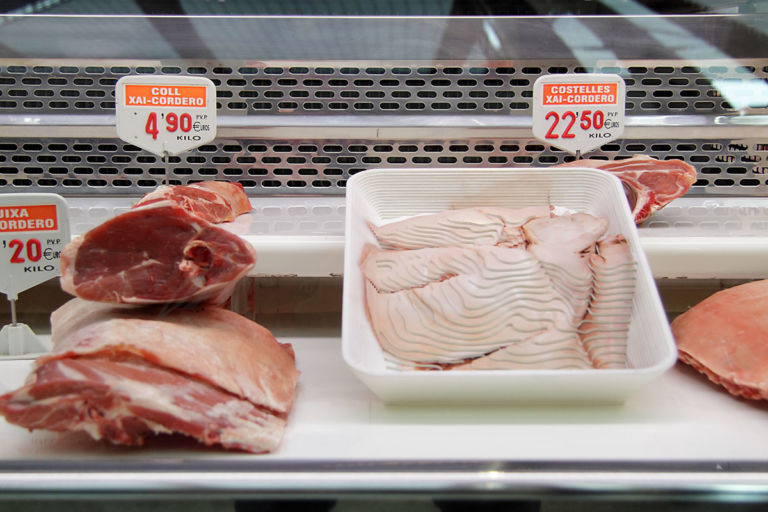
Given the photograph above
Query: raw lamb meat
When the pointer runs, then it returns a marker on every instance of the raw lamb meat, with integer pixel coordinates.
(605, 328)
(725, 337)
(155, 253)
(551, 295)
(481, 226)
(123, 374)
(447, 304)
(214, 201)
(649, 184)
(550, 350)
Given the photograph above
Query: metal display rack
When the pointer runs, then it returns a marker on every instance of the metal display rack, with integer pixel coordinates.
(306, 102)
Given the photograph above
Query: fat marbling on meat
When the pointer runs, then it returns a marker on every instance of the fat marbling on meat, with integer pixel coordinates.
(167, 248)
(123, 374)
(155, 253)
(479, 226)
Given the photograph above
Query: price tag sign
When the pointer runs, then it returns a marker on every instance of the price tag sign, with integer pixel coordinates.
(578, 112)
(165, 115)
(33, 230)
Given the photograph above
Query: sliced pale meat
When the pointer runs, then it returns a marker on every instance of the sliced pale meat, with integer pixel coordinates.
(649, 183)
(233, 194)
(122, 374)
(392, 271)
(725, 337)
(474, 300)
(465, 226)
(156, 253)
(605, 328)
(551, 350)
(214, 201)
(563, 244)
(559, 296)
(574, 232)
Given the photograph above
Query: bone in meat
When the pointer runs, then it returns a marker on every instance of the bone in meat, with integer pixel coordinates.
(156, 253)
(649, 184)
(214, 201)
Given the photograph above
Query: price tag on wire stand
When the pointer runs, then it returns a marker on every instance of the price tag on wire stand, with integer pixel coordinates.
(34, 228)
(165, 115)
(578, 112)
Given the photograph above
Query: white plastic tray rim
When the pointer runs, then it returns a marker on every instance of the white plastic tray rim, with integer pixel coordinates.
(383, 195)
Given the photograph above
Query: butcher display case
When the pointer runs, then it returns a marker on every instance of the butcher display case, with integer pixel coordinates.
(306, 102)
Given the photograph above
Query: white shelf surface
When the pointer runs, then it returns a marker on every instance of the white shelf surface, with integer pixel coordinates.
(680, 434)
(693, 237)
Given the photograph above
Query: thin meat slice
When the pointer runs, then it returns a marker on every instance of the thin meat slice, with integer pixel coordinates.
(605, 328)
(453, 303)
(465, 226)
(553, 349)
(122, 374)
(156, 253)
(563, 245)
(214, 201)
(649, 184)
(572, 232)
(725, 337)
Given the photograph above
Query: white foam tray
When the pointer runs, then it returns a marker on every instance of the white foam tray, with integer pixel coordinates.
(379, 196)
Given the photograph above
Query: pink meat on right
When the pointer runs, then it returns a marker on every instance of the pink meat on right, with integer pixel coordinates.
(725, 337)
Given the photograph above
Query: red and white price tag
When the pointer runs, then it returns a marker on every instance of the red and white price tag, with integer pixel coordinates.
(578, 112)
(33, 230)
(165, 114)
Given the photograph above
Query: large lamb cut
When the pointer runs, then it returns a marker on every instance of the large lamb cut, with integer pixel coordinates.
(165, 249)
(725, 337)
(124, 374)
(155, 253)
(649, 184)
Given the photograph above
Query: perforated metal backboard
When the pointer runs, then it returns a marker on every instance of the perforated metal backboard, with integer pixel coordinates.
(304, 103)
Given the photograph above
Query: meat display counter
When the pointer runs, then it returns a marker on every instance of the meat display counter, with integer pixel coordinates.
(306, 102)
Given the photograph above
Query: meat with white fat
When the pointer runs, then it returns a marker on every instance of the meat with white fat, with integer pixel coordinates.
(649, 183)
(123, 374)
(214, 201)
(478, 305)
